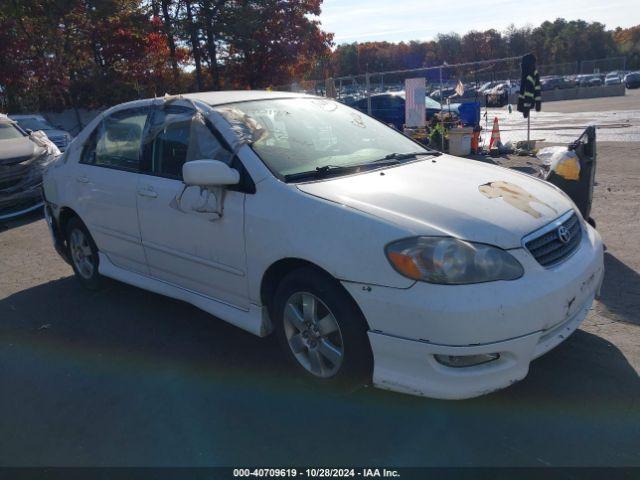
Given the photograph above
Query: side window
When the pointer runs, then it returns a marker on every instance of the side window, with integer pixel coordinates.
(177, 135)
(115, 143)
(89, 149)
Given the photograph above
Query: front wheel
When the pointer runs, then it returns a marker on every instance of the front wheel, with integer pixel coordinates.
(321, 329)
(83, 253)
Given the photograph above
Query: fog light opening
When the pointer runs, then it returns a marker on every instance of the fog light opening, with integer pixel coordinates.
(461, 361)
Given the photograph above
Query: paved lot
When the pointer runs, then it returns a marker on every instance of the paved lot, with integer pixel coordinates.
(617, 118)
(127, 377)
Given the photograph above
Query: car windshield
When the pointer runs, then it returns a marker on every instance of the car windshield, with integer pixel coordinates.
(34, 124)
(298, 135)
(9, 132)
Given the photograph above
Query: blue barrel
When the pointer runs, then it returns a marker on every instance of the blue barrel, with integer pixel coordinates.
(469, 113)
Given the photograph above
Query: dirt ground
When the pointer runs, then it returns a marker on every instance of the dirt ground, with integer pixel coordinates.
(126, 377)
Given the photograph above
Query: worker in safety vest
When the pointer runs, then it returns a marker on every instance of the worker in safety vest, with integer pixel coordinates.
(530, 95)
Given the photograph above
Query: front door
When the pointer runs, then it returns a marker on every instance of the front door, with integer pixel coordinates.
(186, 242)
(106, 187)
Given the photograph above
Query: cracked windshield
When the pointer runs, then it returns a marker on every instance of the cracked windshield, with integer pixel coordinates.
(294, 136)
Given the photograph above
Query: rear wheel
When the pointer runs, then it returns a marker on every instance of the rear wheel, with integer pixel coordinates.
(83, 253)
(321, 329)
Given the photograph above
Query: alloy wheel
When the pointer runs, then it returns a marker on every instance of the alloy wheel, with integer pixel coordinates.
(81, 253)
(313, 334)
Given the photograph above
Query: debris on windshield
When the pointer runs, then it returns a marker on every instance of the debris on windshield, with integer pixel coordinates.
(246, 128)
(357, 120)
(326, 105)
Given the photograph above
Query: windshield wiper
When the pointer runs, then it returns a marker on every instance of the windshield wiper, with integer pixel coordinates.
(408, 155)
(327, 170)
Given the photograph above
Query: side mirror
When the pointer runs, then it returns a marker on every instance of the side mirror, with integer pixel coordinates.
(209, 173)
(29, 131)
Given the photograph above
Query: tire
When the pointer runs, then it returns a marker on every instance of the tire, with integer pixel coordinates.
(83, 254)
(339, 327)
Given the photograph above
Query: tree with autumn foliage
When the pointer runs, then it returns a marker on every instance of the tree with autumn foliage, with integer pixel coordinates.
(70, 53)
(276, 42)
(628, 44)
(559, 41)
(94, 53)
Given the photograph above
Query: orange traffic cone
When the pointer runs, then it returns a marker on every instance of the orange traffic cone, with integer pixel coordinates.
(495, 134)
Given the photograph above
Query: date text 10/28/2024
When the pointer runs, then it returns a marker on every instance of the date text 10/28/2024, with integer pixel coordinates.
(315, 473)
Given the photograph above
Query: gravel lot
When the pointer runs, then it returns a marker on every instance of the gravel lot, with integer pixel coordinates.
(127, 377)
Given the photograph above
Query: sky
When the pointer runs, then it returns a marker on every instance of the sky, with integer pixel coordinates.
(395, 21)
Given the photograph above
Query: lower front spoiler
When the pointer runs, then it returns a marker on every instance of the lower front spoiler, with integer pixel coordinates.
(409, 366)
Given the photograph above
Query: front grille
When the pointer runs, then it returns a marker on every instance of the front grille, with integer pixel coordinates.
(7, 184)
(546, 245)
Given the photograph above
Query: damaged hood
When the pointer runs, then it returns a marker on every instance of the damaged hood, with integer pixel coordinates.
(450, 196)
(18, 150)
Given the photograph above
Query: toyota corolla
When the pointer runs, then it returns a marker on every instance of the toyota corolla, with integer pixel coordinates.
(371, 258)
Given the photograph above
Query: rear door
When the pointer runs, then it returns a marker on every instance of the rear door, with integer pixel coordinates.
(186, 244)
(106, 187)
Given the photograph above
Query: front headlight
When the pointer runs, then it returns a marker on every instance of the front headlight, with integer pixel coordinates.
(451, 261)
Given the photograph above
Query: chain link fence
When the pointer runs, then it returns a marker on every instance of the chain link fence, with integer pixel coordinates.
(490, 82)
(603, 65)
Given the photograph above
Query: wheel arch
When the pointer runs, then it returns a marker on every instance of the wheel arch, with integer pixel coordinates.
(66, 213)
(276, 272)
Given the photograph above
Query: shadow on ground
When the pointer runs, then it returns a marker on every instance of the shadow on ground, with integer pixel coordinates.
(22, 220)
(620, 292)
(126, 377)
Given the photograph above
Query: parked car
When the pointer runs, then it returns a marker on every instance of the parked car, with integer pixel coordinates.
(443, 95)
(613, 78)
(503, 88)
(485, 87)
(632, 80)
(553, 83)
(389, 108)
(589, 80)
(371, 258)
(22, 160)
(34, 123)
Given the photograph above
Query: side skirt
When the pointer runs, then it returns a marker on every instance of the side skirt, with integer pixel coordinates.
(255, 320)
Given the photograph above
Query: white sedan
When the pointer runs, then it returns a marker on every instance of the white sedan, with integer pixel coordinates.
(373, 259)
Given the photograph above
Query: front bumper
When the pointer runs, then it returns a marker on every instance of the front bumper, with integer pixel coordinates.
(520, 320)
(409, 366)
(20, 200)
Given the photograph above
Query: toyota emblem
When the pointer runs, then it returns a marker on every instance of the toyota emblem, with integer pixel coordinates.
(564, 234)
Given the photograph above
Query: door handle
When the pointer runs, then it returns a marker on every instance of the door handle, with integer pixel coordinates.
(147, 192)
(82, 179)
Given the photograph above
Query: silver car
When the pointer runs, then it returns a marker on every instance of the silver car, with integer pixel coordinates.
(34, 122)
(23, 157)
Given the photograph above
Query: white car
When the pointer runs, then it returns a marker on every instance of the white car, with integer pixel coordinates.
(613, 78)
(371, 258)
(37, 123)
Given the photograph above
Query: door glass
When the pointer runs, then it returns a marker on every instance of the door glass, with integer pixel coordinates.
(177, 135)
(117, 141)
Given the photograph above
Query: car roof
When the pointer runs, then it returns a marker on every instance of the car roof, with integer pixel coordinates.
(212, 98)
(233, 96)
